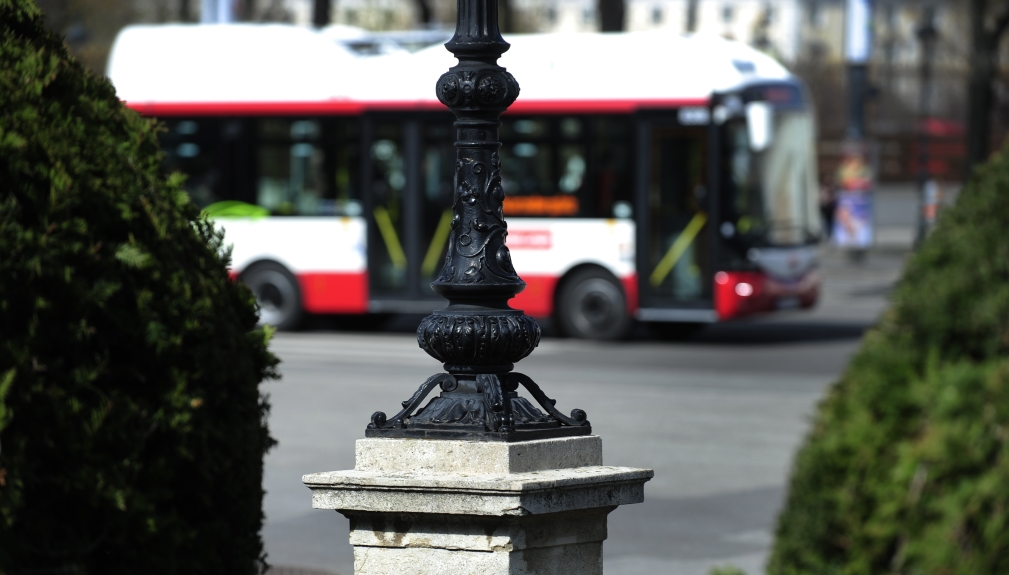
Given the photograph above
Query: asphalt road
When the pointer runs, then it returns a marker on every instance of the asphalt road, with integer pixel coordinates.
(718, 418)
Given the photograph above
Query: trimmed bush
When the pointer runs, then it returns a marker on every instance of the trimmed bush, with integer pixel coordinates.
(133, 429)
(906, 469)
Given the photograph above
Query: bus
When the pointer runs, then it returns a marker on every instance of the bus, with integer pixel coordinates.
(648, 176)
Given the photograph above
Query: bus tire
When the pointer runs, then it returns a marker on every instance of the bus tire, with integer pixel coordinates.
(277, 295)
(591, 305)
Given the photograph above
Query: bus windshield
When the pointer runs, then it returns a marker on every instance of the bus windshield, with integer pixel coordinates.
(771, 185)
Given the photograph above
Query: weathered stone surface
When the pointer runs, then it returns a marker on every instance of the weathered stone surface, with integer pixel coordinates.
(535, 492)
(447, 456)
(476, 533)
(577, 559)
(426, 507)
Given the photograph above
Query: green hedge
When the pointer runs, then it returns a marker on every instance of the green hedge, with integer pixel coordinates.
(133, 429)
(906, 469)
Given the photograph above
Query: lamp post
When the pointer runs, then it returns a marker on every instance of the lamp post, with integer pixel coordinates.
(479, 480)
(478, 336)
(928, 190)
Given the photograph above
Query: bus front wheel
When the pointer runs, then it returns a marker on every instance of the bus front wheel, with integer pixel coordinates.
(277, 293)
(591, 305)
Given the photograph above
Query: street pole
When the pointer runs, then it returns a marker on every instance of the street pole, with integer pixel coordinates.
(478, 336)
(927, 188)
(479, 480)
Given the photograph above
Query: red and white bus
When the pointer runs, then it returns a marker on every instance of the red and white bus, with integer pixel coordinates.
(648, 176)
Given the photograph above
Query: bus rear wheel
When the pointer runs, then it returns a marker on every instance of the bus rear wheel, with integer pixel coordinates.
(591, 305)
(277, 293)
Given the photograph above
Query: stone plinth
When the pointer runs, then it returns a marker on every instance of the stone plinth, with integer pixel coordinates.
(426, 507)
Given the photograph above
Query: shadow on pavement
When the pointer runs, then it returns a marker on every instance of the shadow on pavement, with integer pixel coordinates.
(759, 333)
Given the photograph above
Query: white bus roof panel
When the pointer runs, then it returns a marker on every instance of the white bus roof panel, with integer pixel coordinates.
(571, 67)
(226, 63)
(280, 63)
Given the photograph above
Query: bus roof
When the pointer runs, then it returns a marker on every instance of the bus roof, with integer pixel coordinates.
(176, 69)
(221, 63)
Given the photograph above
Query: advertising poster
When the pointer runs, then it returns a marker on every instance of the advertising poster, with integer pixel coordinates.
(853, 215)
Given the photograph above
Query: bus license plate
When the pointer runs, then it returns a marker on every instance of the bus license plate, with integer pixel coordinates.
(790, 302)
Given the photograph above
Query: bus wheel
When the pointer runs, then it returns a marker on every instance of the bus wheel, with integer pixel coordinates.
(277, 293)
(591, 305)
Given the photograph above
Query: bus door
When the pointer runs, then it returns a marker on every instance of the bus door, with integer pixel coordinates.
(674, 258)
(410, 160)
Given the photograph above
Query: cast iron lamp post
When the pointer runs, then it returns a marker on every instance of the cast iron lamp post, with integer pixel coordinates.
(478, 336)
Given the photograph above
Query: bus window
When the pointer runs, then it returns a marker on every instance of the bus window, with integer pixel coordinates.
(523, 128)
(388, 182)
(307, 167)
(342, 138)
(544, 166)
(190, 147)
(677, 246)
(766, 192)
(290, 166)
(609, 180)
(437, 176)
(744, 204)
(567, 167)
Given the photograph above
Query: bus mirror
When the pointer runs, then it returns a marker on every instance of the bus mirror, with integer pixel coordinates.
(760, 125)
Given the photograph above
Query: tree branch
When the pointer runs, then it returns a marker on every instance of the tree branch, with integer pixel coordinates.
(1001, 22)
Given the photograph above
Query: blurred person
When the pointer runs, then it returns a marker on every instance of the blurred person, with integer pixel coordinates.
(828, 204)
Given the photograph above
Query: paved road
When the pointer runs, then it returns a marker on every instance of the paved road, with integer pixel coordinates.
(718, 418)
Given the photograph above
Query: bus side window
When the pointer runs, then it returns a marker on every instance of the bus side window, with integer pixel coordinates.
(544, 166)
(610, 175)
(191, 147)
(344, 164)
(567, 166)
(306, 167)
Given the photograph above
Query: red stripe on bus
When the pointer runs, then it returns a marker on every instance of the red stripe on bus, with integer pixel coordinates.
(630, 284)
(350, 108)
(246, 108)
(599, 106)
(537, 299)
(326, 292)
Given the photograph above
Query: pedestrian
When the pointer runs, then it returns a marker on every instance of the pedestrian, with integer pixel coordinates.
(828, 204)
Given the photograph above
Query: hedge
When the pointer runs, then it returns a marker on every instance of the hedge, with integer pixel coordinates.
(906, 469)
(132, 427)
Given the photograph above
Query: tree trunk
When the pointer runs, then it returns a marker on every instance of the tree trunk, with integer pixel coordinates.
(505, 17)
(185, 14)
(691, 16)
(322, 13)
(980, 96)
(424, 13)
(611, 15)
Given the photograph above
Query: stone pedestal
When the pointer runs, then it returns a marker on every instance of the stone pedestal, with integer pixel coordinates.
(446, 507)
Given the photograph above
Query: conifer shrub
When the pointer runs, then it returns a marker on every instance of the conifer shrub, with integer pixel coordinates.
(906, 469)
(132, 428)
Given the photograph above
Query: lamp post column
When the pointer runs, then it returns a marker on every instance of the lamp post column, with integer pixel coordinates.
(481, 479)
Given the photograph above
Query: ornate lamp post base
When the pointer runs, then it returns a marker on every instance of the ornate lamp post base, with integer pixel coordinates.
(486, 407)
(462, 507)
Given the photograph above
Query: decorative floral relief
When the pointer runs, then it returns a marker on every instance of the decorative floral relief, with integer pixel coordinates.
(478, 340)
(482, 86)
